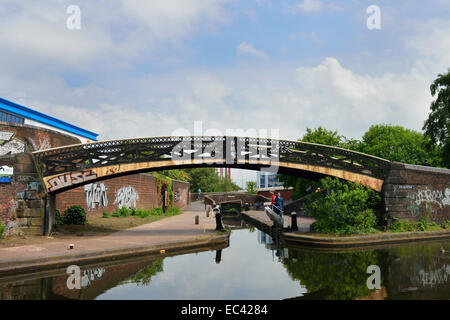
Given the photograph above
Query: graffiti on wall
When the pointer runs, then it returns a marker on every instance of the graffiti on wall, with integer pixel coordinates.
(96, 195)
(126, 197)
(66, 180)
(433, 200)
(9, 144)
(6, 174)
(44, 143)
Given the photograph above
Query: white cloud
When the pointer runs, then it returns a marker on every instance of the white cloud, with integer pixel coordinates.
(246, 48)
(309, 6)
(285, 96)
(312, 6)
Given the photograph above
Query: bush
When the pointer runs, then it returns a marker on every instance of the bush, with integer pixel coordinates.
(116, 214)
(2, 229)
(75, 215)
(59, 219)
(105, 215)
(172, 211)
(344, 208)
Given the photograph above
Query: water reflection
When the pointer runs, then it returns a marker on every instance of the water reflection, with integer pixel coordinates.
(254, 266)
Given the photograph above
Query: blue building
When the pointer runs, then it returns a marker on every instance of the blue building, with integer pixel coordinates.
(16, 114)
(267, 180)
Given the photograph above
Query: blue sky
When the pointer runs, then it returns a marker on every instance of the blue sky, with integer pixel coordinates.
(148, 68)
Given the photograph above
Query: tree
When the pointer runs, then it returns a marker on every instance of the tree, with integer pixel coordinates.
(438, 123)
(323, 136)
(177, 174)
(226, 185)
(346, 207)
(205, 179)
(251, 187)
(319, 135)
(397, 143)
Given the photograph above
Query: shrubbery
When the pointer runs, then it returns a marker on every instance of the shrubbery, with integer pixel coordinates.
(59, 219)
(344, 208)
(72, 215)
(2, 229)
(157, 211)
(421, 225)
(75, 215)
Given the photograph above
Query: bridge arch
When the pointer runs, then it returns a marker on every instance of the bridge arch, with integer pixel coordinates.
(67, 167)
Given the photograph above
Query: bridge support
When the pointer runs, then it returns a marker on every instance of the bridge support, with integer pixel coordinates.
(22, 201)
(50, 213)
(416, 192)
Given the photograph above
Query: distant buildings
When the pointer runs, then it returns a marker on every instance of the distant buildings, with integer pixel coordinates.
(267, 180)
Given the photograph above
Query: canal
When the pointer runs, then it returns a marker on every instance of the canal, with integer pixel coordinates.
(254, 267)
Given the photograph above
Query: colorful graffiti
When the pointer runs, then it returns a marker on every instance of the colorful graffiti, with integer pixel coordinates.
(6, 174)
(10, 145)
(69, 179)
(44, 143)
(126, 197)
(433, 200)
(96, 195)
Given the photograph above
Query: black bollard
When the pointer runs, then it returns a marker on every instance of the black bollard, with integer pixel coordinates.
(219, 225)
(294, 226)
(218, 256)
(197, 218)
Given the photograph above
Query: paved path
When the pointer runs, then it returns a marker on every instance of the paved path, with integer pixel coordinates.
(174, 229)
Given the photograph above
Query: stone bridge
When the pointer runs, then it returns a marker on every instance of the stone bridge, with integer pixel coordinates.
(408, 191)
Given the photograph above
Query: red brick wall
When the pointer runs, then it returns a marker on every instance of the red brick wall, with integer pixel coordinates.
(34, 138)
(182, 188)
(285, 194)
(411, 192)
(20, 138)
(138, 189)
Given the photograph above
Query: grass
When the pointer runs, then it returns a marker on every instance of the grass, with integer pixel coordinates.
(421, 225)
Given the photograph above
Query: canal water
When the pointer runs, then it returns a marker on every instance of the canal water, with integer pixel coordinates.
(254, 266)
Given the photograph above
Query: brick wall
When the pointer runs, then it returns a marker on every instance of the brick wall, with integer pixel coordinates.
(138, 190)
(411, 192)
(181, 193)
(15, 210)
(285, 194)
(20, 138)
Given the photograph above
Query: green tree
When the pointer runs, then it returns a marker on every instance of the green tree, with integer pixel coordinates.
(226, 185)
(251, 187)
(177, 174)
(205, 179)
(346, 208)
(323, 136)
(438, 123)
(397, 143)
(318, 135)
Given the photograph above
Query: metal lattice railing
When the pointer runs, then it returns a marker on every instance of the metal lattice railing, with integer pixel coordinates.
(224, 149)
